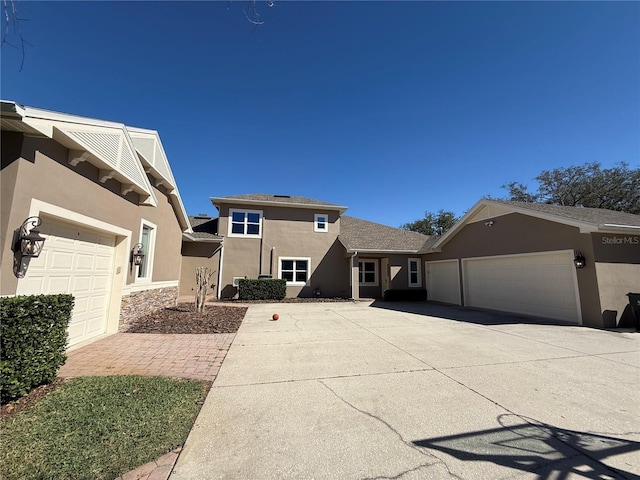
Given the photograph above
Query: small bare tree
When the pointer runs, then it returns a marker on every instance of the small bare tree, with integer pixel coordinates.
(203, 276)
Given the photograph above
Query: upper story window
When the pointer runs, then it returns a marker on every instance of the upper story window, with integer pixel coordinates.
(245, 223)
(415, 273)
(321, 222)
(368, 272)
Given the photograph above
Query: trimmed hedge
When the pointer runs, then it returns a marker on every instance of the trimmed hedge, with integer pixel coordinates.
(405, 295)
(33, 340)
(264, 289)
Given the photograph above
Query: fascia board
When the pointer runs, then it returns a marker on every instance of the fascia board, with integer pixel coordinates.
(191, 238)
(266, 203)
(39, 113)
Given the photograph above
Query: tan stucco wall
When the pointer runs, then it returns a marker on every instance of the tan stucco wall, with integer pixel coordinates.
(49, 178)
(617, 259)
(615, 280)
(516, 233)
(287, 232)
(194, 255)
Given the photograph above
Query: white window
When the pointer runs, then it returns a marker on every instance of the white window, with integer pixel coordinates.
(321, 222)
(296, 271)
(368, 272)
(415, 273)
(148, 241)
(245, 223)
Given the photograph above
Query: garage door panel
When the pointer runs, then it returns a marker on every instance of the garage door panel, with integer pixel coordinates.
(60, 260)
(540, 284)
(100, 283)
(84, 261)
(58, 285)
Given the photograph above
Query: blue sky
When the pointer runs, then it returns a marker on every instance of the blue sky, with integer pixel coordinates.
(389, 108)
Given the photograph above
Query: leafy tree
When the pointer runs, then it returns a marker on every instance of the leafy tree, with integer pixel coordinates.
(616, 188)
(433, 223)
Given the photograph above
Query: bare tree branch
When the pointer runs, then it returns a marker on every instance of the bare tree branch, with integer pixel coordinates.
(13, 27)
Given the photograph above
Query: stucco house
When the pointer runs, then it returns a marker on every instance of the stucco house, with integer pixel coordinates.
(110, 212)
(568, 263)
(310, 243)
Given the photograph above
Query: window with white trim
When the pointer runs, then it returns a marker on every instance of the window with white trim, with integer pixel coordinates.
(368, 272)
(245, 223)
(148, 241)
(321, 222)
(296, 271)
(415, 273)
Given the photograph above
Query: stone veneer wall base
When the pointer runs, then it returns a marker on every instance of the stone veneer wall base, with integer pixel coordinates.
(139, 304)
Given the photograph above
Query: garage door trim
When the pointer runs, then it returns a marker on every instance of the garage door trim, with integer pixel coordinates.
(122, 246)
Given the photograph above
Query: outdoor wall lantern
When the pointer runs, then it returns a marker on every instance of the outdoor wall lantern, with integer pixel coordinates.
(579, 261)
(27, 239)
(137, 255)
(488, 223)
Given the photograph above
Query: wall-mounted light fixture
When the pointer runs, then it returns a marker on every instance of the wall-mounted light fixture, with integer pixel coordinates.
(137, 255)
(27, 240)
(579, 261)
(488, 223)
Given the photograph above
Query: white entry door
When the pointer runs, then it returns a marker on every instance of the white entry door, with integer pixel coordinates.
(540, 284)
(78, 261)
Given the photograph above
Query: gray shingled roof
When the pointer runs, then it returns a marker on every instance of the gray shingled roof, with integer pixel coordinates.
(265, 197)
(205, 228)
(358, 234)
(595, 216)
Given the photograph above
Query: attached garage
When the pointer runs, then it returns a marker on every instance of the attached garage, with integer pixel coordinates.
(539, 284)
(443, 281)
(78, 261)
(575, 264)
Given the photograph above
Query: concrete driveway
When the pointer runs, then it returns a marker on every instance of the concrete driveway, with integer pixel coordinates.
(414, 391)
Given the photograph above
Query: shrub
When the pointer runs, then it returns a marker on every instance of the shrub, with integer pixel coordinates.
(269, 289)
(405, 295)
(33, 340)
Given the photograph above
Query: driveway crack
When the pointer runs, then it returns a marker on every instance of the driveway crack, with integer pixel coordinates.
(422, 451)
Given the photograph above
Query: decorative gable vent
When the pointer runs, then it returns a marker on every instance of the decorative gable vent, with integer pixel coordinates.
(109, 149)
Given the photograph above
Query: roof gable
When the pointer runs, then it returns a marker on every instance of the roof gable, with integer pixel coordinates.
(588, 220)
(109, 146)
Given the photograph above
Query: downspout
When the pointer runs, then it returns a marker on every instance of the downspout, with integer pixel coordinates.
(220, 264)
(353, 284)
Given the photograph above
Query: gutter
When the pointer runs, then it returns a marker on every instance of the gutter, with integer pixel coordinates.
(353, 285)
(220, 264)
(612, 226)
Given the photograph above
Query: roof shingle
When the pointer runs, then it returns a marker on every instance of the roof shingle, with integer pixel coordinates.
(595, 216)
(358, 234)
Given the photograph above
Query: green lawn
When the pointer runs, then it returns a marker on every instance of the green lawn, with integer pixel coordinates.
(99, 427)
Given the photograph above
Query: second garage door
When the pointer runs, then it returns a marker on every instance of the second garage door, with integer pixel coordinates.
(77, 261)
(542, 284)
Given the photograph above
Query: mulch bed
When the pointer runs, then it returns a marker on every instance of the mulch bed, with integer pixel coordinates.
(184, 319)
(30, 399)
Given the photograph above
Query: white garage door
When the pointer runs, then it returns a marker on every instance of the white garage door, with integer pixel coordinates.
(77, 261)
(443, 281)
(542, 284)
